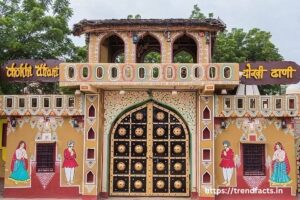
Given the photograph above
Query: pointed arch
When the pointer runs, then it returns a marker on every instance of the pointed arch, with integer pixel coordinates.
(92, 112)
(90, 178)
(187, 44)
(206, 134)
(91, 134)
(206, 114)
(112, 48)
(148, 49)
(206, 178)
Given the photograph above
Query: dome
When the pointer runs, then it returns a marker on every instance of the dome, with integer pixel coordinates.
(293, 89)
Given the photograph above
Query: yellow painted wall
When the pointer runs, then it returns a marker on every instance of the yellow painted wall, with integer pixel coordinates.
(2, 149)
(26, 133)
(272, 135)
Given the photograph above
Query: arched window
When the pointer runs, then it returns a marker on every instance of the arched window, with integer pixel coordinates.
(185, 50)
(112, 50)
(148, 50)
(71, 72)
(85, 72)
(99, 72)
(114, 72)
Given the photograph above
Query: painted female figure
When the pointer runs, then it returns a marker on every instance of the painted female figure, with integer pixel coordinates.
(19, 164)
(280, 166)
(69, 162)
(227, 162)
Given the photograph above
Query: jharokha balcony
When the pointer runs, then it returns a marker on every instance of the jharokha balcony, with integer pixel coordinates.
(206, 77)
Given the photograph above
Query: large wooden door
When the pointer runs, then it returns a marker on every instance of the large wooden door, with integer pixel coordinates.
(149, 153)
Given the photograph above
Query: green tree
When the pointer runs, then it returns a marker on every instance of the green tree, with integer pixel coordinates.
(240, 46)
(36, 29)
(196, 13)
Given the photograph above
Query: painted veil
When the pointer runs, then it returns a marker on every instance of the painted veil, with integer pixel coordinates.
(280, 169)
(19, 166)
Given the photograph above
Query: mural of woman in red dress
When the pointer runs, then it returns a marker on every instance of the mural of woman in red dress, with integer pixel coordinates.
(70, 162)
(227, 163)
(19, 164)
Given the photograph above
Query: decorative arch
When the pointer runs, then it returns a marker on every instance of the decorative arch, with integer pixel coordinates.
(206, 134)
(91, 134)
(110, 46)
(206, 114)
(92, 112)
(90, 178)
(191, 46)
(142, 122)
(147, 43)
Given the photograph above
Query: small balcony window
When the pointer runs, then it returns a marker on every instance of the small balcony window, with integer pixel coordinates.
(155, 72)
(9, 102)
(291, 103)
(21, 102)
(59, 102)
(170, 73)
(265, 103)
(252, 103)
(240, 103)
(227, 103)
(71, 102)
(142, 72)
(227, 72)
(34, 102)
(183, 72)
(99, 72)
(85, 72)
(114, 72)
(46, 102)
(71, 72)
(212, 73)
(278, 104)
(197, 72)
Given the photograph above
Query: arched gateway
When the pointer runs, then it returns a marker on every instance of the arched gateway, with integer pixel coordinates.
(149, 153)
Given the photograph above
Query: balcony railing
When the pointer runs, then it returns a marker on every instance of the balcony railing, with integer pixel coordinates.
(257, 106)
(104, 75)
(51, 105)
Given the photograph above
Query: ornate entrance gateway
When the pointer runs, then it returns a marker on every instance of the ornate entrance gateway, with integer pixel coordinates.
(149, 153)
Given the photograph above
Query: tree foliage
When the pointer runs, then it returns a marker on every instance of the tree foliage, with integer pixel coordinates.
(196, 13)
(240, 46)
(36, 29)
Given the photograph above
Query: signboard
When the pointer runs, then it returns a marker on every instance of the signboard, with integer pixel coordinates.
(274, 72)
(29, 70)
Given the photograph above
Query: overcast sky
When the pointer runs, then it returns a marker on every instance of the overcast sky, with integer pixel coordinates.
(280, 17)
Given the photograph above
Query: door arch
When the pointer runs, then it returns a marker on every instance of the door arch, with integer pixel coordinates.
(149, 153)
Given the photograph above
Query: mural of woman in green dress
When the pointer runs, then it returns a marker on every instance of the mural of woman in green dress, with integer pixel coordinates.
(19, 164)
(280, 166)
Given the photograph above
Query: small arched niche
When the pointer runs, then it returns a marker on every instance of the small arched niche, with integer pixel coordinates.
(92, 111)
(206, 134)
(206, 178)
(206, 113)
(112, 50)
(185, 50)
(90, 177)
(148, 50)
